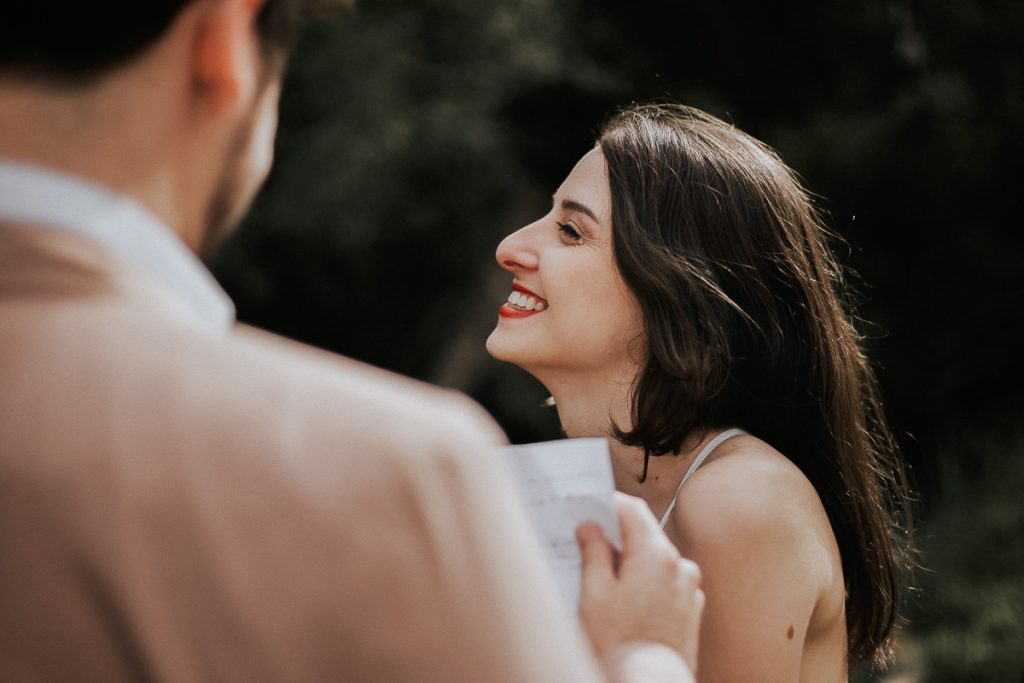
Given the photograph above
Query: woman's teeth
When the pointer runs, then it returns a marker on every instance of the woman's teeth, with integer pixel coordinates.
(526, 303)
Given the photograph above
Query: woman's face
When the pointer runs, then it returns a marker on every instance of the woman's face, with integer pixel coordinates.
(569, 309)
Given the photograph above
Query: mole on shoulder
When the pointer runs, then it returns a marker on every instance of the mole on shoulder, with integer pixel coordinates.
(789, 633)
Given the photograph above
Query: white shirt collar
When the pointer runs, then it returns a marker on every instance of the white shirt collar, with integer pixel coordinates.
(36, 195)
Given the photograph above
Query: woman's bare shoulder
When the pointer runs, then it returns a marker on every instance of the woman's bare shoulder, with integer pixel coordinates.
(749, 497)
(771, 573)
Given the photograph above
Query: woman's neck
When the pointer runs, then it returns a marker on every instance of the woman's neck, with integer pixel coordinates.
(593, 408)
(589, 406)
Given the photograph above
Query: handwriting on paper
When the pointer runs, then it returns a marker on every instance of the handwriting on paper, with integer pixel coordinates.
(564, 483)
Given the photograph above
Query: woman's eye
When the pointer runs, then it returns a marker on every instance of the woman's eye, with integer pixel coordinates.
(569, 231)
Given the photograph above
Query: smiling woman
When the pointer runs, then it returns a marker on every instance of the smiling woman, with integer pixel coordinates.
(681, 298)
(585, 317)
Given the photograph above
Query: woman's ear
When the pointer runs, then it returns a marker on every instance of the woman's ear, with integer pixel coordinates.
(227, 59)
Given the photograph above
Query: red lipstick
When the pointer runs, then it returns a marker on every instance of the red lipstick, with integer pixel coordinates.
(518, 287)
(509, 311)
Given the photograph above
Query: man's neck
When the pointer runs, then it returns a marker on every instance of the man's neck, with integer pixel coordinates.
(124, 131)
(92, 134)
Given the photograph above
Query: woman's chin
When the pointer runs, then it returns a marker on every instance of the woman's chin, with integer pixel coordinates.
(499, 348)
(504, 349)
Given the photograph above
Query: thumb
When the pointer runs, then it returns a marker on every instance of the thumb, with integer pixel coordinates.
(639, 527)
(597, 557)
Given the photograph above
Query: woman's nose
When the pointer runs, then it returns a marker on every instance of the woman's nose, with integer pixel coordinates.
(516, 252)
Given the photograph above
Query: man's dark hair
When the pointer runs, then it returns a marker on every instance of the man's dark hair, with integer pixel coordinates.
(77, 41)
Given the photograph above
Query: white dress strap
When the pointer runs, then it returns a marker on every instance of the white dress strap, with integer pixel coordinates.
(697, 462)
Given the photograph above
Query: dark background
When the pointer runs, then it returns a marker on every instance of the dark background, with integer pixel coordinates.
(415, 135)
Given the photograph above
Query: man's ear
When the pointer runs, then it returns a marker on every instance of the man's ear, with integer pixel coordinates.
(227, 60)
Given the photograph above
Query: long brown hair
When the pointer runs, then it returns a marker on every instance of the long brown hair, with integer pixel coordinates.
(746, 325)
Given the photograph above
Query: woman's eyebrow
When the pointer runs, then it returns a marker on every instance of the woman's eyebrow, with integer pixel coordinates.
(573, 205)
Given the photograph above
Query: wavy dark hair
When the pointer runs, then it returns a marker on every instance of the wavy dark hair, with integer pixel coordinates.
(74, 42)
(747, 325)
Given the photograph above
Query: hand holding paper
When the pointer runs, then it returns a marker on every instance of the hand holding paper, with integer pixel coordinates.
(650, 600)
(654, 595)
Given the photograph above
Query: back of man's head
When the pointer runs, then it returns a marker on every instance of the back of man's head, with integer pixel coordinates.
(77, 41)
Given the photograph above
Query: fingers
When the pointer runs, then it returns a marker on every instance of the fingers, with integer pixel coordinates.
(692, 601)
(689, 572)
(639, 527)
(655, 597)
(598, 559)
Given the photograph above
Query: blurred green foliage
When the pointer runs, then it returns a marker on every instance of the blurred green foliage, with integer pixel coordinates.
(415, 135)
(969, 621)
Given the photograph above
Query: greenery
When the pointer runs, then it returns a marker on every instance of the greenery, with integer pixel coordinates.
(415, 135)
(969, 623)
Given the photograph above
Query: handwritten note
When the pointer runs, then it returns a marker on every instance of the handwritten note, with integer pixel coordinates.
(564, 483)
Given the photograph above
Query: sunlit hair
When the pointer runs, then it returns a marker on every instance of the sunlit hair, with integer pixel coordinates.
(746, 325)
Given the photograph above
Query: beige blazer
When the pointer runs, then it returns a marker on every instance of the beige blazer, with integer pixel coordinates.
(182, 505)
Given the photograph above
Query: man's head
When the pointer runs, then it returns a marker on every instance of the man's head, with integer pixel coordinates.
(173, 102)
(73, 42)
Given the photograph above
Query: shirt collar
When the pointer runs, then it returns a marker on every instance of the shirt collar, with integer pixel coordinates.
(36, 195)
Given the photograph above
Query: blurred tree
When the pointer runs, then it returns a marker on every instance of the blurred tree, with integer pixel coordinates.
(395, 180)
(416, 135)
